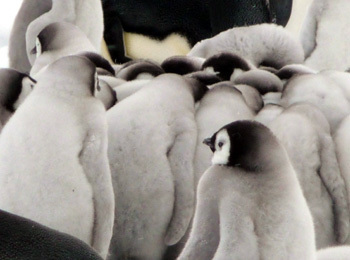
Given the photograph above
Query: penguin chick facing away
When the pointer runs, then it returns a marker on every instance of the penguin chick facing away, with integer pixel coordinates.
(59, 134)
(14, 88)
(57, 40)
(249, 202)
(266, 44)
(21, 238)
(151, 144)
(304, 132)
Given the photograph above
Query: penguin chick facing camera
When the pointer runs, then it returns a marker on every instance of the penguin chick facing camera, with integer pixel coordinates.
(249, 202)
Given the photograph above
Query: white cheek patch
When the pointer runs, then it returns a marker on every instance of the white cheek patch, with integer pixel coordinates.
(211, 70)
(26, 89)
(38, 47)
(222, 154)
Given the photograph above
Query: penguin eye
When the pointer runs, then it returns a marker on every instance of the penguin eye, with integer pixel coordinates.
(220, 144)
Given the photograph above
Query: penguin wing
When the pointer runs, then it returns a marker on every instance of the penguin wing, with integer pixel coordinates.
(205, 234)
(93, 159)
(335, 184)
(309, 28)
(180, 157)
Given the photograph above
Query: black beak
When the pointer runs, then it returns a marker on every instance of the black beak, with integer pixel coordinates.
(208, 142)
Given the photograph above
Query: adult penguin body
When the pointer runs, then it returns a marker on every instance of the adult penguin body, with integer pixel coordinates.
(59, 136)
(247, 200)
(327, 19)
(21, 238)
(152, 136)
(173, 27)
(304, 132)
(222, 104)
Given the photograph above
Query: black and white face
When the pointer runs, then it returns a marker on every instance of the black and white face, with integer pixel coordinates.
(222, 148)
(220, 145)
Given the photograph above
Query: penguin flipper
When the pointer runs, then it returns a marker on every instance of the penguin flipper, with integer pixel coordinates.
(335, 184)
(93, 159)
(180, 159)
(205, 233)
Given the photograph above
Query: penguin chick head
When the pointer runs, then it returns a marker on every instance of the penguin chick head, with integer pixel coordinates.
(75, 75)
(14, 88)
(245, 144)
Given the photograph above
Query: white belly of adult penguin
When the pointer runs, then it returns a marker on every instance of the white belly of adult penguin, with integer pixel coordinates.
(85, 14)
(151, 145)
(249, 202)
(53, 156)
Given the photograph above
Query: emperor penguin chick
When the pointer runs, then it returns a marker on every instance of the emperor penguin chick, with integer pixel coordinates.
(222, 104)
(14, 88)
(57, 40)
(249, 202)
(59, 136)
(305, 134)
(152, 139)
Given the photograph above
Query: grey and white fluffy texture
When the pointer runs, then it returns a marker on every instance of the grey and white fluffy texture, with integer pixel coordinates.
(324, 35)
(57, 40)
(222, 104)
(249, 206)
(334, 253)
(34, 15)
(342, 142)
(267, 44)
(322, 91)
(304, 132)
(152, 138)
(54, 166)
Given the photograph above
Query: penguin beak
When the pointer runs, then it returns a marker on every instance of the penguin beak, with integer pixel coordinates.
(208, 142)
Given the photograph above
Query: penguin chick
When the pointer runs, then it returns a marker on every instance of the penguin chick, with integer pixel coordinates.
(305, 134)
(56, 41)
(323, 35)
(14, 88)
(268, 113)
(334, 253)
(227, 65)
(222, 104)
(262, 80)
(182, 64)
(266, 44)
(247, 200)
(251, 96)
(154, 192)
(139, 69)
(17, 53)
(288, 71)
(106, 94)
(77, 12)
(21, 238)
(59, 134)
(320, 91)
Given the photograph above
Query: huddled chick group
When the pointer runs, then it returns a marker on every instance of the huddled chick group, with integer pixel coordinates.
(239, 150)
